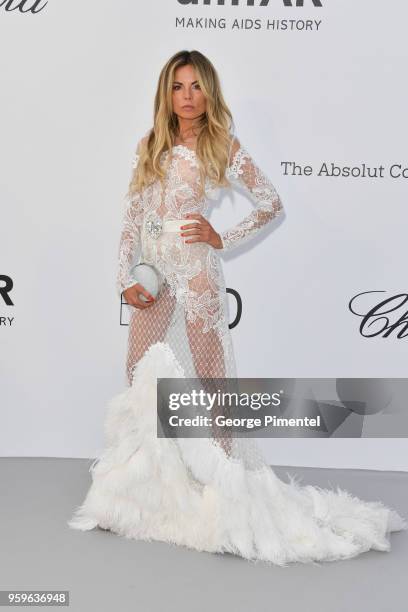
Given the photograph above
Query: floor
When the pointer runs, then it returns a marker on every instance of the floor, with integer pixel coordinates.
(104, 572)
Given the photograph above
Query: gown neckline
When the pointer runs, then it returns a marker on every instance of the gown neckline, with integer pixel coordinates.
(184, 147)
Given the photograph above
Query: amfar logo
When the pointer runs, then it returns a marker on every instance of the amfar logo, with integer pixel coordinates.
(6, 285)
(249, 2)
(5, 289)
(23, 6)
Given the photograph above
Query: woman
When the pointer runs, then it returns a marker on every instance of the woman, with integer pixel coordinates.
(216, 493)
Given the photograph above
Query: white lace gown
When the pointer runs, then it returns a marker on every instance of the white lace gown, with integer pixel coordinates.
(211, 494)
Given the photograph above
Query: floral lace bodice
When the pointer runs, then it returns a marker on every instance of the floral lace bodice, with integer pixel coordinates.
(181, 262)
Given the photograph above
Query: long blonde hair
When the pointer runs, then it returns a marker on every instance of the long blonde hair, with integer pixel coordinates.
(214, 138)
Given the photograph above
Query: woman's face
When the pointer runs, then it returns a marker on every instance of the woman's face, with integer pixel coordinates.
(188, 99)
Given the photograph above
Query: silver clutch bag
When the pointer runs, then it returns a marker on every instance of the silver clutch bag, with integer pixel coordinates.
(148, 276)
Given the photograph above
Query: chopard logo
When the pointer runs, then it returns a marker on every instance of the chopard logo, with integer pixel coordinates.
(375, 320)
(23, 6)
(316, 3)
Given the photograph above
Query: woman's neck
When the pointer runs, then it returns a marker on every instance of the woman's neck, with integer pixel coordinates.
(187, 132)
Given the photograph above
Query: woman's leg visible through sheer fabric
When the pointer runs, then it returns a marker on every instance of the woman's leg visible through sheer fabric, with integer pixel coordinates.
(147, 326)
(207, 350)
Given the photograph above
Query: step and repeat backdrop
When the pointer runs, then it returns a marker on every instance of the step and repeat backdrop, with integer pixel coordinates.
(318, 93)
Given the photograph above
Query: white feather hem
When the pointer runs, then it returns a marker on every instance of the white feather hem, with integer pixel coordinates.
(187, 492)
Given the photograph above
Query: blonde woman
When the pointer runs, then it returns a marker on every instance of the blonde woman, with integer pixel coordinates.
(216, 493)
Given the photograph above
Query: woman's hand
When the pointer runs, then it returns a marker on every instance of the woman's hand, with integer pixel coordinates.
(132, 296)
(201, 231)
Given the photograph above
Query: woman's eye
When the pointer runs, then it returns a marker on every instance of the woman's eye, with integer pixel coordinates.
(197, 86)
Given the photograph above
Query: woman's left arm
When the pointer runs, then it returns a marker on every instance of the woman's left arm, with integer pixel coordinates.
(243, 171)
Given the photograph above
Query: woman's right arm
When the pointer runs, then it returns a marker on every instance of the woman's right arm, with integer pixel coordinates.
(130, 245)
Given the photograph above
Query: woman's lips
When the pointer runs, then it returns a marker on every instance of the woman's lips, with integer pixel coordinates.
(188, 107)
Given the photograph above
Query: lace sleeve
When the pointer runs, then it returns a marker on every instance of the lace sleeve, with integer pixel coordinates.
(129, 243)
(243, 171)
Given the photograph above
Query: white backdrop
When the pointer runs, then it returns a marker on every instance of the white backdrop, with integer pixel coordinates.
(78, 80)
